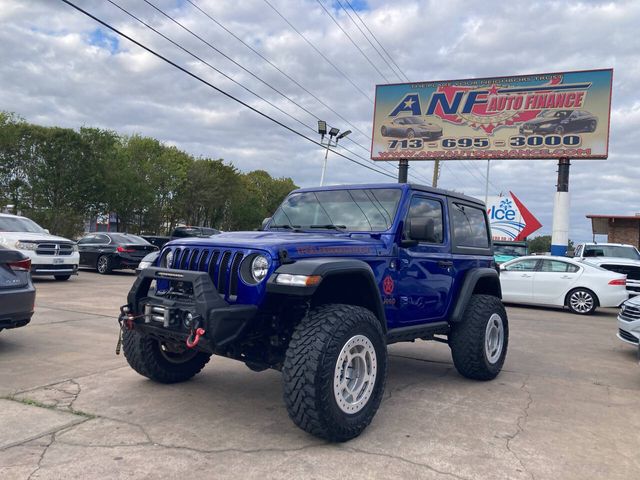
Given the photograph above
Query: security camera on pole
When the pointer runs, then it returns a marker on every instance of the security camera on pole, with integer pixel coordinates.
(330, 142)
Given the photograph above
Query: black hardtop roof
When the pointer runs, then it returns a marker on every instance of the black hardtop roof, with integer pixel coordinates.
(403, 186)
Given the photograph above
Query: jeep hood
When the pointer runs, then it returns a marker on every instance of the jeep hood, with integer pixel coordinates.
(298, 245)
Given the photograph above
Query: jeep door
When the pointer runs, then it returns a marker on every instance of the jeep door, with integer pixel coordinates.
(425, 275)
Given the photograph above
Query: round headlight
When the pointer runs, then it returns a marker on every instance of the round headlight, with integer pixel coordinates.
(259, 268)
(168, 260)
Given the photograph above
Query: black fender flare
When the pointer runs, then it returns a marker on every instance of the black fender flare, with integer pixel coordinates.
(326, 268)
(471, 279)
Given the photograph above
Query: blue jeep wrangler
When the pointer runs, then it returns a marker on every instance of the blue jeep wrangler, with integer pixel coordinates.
(336, 275)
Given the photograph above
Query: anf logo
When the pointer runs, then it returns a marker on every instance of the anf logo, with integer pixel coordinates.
(410, 103)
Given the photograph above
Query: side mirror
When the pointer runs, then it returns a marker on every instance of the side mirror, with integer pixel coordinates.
(46, 230)
(422, 230)
(501, 266)
(265, 222)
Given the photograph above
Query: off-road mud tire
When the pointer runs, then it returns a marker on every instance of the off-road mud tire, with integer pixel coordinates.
(310, 366)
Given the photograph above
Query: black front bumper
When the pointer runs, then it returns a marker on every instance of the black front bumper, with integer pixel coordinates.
(166, 316)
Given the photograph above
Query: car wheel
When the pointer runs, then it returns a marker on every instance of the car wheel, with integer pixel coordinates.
(592, 125)
(62, 278)
(160, 361)
(410, 134)
(479, 342)
(582, 301)
(559, 130)
(103, 265)
(383, 131)
(335, 371)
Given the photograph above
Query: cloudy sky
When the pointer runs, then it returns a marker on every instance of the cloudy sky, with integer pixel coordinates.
(58, 67)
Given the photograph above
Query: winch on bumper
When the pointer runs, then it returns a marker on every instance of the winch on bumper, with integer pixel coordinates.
(178, 317)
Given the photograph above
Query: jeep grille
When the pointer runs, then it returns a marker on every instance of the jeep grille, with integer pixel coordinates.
(222, 265)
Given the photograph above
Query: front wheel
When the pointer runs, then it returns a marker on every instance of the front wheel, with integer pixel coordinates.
(161, 361)
(582, 301)
(104, 264)
(479, 342)
(334, 371)
(410, 134)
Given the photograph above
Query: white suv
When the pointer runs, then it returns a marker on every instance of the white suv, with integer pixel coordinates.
(616, 257)
(49, 254)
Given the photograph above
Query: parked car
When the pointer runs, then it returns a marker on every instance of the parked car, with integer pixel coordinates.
(613, 250)
(411, 127)
(504, 251)
(560, 282)
(629, 322)
(560, 122)
(112, 251)
(17, 294)
(49, 254)
(630, 268)
(148, 261)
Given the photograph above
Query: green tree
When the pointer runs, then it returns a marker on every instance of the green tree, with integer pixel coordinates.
(542, 244)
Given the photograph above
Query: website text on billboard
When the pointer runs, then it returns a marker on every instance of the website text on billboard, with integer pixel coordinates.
(531, 116)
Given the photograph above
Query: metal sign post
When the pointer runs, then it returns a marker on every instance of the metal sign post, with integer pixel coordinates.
(403, 170)
(560, 229)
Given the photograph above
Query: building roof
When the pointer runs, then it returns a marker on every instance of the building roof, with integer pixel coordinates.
(615, 217)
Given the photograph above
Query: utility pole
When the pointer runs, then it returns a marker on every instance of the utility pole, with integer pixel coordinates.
(436, 174)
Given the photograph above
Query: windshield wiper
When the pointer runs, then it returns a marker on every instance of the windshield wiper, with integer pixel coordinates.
(329, 226)
(294, 228)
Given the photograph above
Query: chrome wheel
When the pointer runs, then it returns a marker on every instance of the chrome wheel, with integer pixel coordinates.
(355, 374)
(103, 264)
(581, 301)
(494, 338)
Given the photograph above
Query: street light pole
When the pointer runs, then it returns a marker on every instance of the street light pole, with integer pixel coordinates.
(330, 142)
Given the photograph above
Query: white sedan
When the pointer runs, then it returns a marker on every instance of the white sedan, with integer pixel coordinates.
(560, 282)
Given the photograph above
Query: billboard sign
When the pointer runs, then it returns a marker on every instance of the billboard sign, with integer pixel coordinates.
(509, 219)
(550, 115)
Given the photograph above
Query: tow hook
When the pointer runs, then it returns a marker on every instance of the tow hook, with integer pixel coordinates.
(192, 341)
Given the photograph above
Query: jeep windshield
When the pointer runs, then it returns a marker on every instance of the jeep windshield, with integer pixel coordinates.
(19, 224)
(611, 251)
(358, 210)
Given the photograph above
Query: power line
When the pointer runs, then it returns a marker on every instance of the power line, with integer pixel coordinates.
(370, 42)
(319, 100)
(217, 89)
(351, 40)
(235, 63)
(319, 52)
(377, 41)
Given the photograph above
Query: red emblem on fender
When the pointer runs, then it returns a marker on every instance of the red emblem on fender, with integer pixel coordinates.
(387, 285)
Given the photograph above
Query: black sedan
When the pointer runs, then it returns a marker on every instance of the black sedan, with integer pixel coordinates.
(560, 122)
(17, 294)
(112, 251)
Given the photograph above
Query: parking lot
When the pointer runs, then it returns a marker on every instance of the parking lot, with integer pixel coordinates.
(565, 406)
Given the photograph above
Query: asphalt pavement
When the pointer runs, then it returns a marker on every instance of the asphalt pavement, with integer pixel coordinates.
(566, 406)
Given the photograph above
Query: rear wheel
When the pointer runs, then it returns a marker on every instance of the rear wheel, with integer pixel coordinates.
(334, 371)
(410, 133)
(62, 278)
(559, 130)
(161, 361)
(592, 126)
(104, 264)
(383, 131)
(582, 301)
(479, 342)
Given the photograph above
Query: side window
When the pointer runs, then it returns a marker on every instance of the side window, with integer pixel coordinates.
(558, 266)
(102, 239)
(528, 265)
(469, 226)
(428, 211)
(86, 239)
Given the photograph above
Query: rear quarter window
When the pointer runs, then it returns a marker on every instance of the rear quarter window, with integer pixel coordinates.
(469, 226)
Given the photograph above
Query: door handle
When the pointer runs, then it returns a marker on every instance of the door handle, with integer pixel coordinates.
(445, 264)
(525, 275)
(566, 277)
